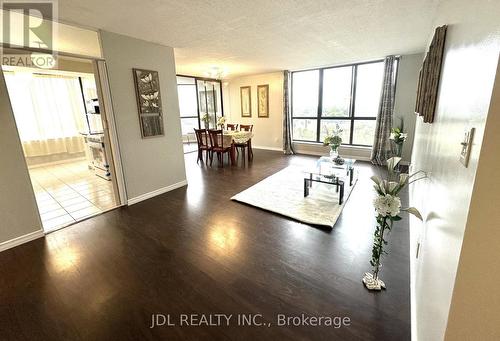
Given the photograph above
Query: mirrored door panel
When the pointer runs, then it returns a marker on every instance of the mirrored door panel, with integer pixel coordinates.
(200, 104)
(207, 102)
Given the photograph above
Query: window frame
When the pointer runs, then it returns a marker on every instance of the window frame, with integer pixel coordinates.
(350, 117)
(199, 113)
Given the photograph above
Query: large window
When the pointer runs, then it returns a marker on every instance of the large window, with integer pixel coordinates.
(346, 95)
(188, 108)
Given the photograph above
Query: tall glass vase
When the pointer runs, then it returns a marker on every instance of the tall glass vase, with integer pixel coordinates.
(397, 148)
(371, 280)
(334, 151)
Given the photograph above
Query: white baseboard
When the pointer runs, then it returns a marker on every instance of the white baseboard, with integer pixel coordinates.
(319, 153)
(58, 162)
(154, 193)
(310, 152)
(358, 158)
(349, 152)
(268, 148)
(21, 240)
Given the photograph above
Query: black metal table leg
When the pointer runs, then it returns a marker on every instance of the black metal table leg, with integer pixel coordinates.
(351, 175)
(339, 186)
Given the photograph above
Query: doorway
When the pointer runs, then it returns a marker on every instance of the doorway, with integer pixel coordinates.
(200, 106)
(65, 143)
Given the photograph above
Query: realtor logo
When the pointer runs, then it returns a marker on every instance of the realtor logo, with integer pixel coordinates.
(28, 33)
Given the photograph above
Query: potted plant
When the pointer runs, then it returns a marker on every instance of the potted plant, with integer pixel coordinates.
(334, 140)
(387, 208)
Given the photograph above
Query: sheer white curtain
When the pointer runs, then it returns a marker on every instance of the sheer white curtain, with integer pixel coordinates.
(49, 112)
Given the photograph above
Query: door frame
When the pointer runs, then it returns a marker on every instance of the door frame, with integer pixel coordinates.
(196, 79)
(109, 124)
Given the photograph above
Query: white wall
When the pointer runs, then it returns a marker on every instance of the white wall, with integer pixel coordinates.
(474, 312)
(268, 132)
(156, 163)
(18, 211)
(469, 66)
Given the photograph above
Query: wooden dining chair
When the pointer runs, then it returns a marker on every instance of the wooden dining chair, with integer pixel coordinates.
(246, 127)
(203, 144)
(231, 126)
(248, 144)
(217, 146)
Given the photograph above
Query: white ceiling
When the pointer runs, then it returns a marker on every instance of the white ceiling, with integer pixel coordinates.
(248, 37)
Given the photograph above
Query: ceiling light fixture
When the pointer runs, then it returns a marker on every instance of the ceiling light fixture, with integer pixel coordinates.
(216, 72)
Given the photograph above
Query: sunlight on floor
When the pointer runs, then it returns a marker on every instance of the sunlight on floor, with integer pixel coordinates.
(69, 192)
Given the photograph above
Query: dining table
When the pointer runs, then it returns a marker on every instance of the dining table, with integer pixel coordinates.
(234, 137)
(238, 137)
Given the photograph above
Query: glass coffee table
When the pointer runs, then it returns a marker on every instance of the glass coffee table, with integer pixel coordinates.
(328, 172)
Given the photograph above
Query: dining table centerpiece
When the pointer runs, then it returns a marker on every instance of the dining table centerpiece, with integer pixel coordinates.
(221, 121)
(333, 140)
(387, 209)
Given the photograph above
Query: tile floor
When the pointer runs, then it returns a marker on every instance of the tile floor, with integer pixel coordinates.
(190, 147)
(69, 192)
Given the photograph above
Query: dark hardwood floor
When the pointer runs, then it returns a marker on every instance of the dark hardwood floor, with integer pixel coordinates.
(193, 251)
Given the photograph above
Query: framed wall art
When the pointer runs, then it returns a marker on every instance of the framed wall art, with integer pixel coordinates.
(246, 101)
(263, 100)
(147, 85)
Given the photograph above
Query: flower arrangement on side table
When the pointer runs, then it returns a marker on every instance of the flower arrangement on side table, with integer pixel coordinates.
(397, 138)
(334, 140)
(388, 208)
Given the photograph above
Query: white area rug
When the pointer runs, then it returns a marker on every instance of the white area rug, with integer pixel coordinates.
(283, 193)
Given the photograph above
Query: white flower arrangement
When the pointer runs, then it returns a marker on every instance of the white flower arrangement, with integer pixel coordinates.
(221, 121)
(398, 136)
(388, 199)
(387, 208)
(205, 117)
(333, 138)
(387, 205)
